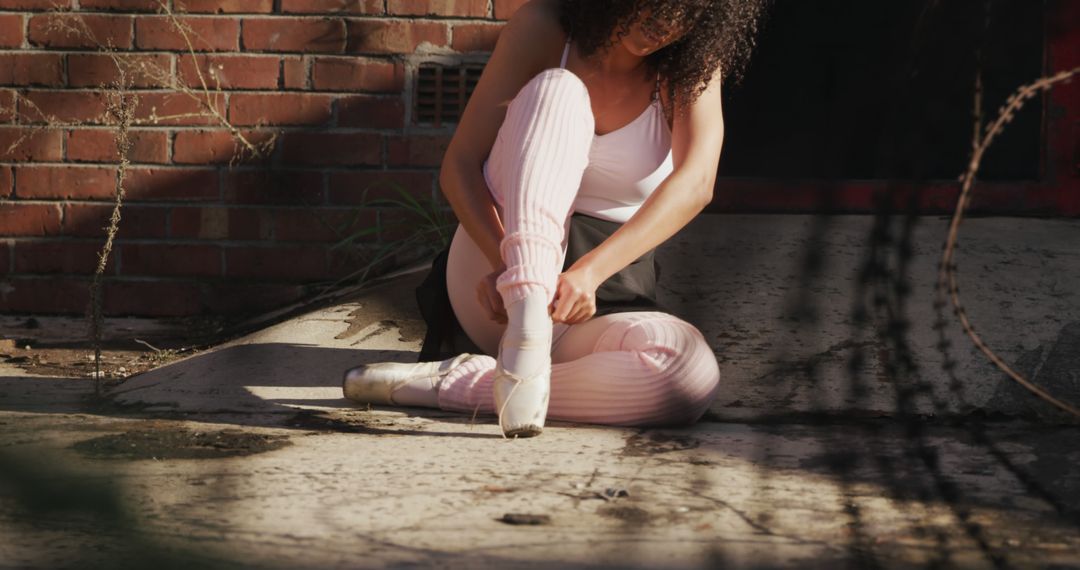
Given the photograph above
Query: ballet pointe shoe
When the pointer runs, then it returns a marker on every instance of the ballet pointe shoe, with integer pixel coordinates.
(376, 383)
(522, 403)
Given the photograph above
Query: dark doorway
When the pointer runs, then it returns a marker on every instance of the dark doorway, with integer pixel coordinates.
(857, 89)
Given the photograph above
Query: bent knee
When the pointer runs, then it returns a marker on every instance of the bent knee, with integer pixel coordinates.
(681, 376)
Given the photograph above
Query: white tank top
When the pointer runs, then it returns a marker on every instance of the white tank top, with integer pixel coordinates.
(625, 165)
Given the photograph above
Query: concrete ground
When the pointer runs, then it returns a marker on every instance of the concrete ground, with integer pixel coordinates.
(853, 432)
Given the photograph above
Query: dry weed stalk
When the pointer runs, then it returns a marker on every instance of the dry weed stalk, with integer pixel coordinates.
(947, 267)
(203, 94)
(121, 104)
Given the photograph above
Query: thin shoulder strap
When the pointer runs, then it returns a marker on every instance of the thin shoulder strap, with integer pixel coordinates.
(565, 52)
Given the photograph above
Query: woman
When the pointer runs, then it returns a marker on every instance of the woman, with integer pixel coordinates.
(554, 164)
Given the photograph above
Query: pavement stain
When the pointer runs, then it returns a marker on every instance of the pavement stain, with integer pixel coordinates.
(385, 305)
(180, 444)
(625, 513)
(651, 443)
(324, 422)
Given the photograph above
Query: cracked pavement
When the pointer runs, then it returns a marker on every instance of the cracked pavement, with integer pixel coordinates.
(853, 433)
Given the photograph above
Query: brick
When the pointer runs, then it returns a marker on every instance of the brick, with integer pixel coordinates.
(359, 187)
(29, 68)
(150, 298)
(29, 219)
(416, 150)
(352, 74)
(393, 36)
(121, 5)
(188, 184)
(215, 146)
(205, 33)
(99, 145)
(73, 257)
(104, 29)
(18, 144)
(11, 30)
(475, 37)
(327, 148)
(322, 35)
(141, 70)
(371, 112)
(243, 298)
(368, 7)
(35, 5)
(460, 8)
(323, 224)
(5, 258)
(224, 6)
(62, 106)
(294, 73)
(280, 108)
(6, 184)
(220, 222)
(7, 105)
(90, 220)
(65, 182)
(46, 295)
(203, 147)
(229, 71)
(283, 262)
(503, 9)
(177, 109)
(168, 259)
(266, 186)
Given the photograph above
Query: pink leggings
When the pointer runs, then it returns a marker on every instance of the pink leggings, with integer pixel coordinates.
(629, 369)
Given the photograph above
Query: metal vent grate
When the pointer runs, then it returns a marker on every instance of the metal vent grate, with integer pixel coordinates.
(442, 91)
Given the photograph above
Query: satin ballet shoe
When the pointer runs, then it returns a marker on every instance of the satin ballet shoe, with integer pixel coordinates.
(377, 382)
(521, 402)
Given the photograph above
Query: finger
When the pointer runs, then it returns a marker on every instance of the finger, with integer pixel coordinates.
(586, 309)
(580, 314)
(569, 308)
(555, 299)
(562, 309)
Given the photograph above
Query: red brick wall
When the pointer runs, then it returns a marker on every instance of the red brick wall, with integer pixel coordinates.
(199, 235)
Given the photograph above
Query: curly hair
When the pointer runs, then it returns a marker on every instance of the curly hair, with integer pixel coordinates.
(721, 34)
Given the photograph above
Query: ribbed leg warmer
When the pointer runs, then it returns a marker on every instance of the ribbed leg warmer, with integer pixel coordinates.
(535, 168)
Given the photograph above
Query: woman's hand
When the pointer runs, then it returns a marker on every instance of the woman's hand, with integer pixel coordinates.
(575, 296)
(490, 298)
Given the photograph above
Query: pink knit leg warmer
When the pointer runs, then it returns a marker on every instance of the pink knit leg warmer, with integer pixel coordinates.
(535, 169)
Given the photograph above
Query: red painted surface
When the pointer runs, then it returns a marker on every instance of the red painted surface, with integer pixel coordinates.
(1062, 121)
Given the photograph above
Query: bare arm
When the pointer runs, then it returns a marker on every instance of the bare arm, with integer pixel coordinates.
(696, 140)
(513, 62)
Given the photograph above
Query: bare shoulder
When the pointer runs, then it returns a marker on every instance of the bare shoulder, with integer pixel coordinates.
(530, 42)
(535, 26)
